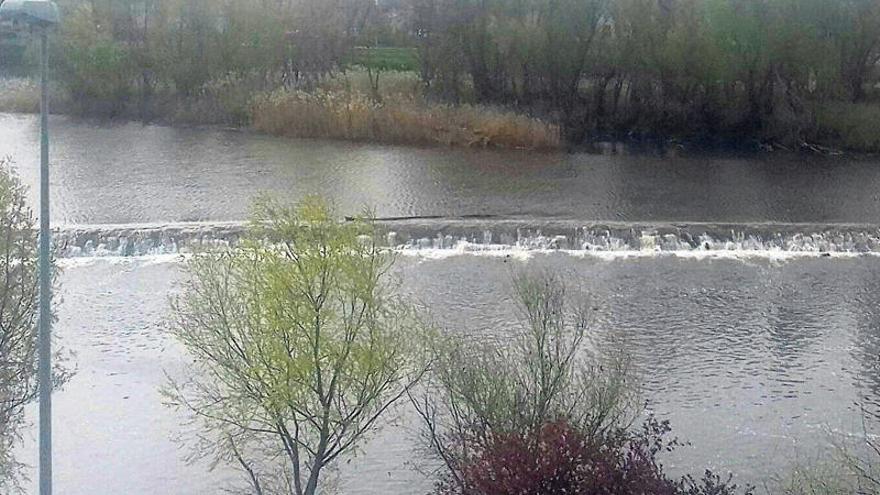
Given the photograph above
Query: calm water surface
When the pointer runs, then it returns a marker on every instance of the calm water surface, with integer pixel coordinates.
(753, 357)
(129, 173)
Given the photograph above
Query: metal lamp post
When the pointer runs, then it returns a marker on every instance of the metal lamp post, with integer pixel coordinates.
(42, 15)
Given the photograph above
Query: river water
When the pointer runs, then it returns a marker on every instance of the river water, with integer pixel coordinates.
(128, 173)
(747, 289)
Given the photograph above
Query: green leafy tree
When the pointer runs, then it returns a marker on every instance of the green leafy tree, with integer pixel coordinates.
(19, 298)
(300, 345)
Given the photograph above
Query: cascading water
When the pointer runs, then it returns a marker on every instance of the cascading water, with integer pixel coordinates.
(438, 237)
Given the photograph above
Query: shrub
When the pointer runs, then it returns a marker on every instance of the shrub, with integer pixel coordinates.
(18, 338)
(225, 101)
(22, 95)
(478, 394)
(819, 479)
(851, 466)
(560, 459)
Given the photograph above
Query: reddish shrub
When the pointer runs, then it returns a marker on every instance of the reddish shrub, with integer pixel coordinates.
(560, 460)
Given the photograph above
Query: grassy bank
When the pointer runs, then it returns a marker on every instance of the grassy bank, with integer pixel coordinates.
(346, 108)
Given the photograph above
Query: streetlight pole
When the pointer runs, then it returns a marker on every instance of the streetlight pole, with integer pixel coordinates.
(42, 15)
(45, 318)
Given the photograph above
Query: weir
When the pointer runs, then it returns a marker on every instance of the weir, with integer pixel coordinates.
(438, 236)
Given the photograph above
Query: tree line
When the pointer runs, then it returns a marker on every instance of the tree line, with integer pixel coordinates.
(708, 66)
(676, 67)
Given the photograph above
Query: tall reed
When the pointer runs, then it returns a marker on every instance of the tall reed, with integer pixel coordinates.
(352, 115)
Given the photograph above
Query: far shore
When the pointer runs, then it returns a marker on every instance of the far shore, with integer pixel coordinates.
(409, 121)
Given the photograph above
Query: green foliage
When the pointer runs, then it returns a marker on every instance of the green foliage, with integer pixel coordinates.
(19, 298)
(18, 322)
(94, 67)
(122, 57)
(300, 344)
(387, 59)
(742, 69)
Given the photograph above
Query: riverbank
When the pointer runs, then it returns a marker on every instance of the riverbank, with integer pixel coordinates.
(353, 107)
(339, 109)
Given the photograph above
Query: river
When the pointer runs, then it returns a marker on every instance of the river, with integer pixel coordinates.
(128, 173)
(746, 288)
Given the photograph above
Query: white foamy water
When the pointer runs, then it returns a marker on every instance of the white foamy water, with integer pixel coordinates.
(520, 239)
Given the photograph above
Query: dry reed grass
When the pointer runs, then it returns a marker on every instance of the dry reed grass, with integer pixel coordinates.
(402, 119)
(19, 96)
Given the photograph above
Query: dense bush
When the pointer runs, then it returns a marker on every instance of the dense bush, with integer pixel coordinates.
(853, 125)
(483, 396)
(750, 68)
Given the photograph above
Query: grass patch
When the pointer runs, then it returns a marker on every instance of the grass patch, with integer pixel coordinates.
(352, 115)
(392, 84)
(386, 58)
